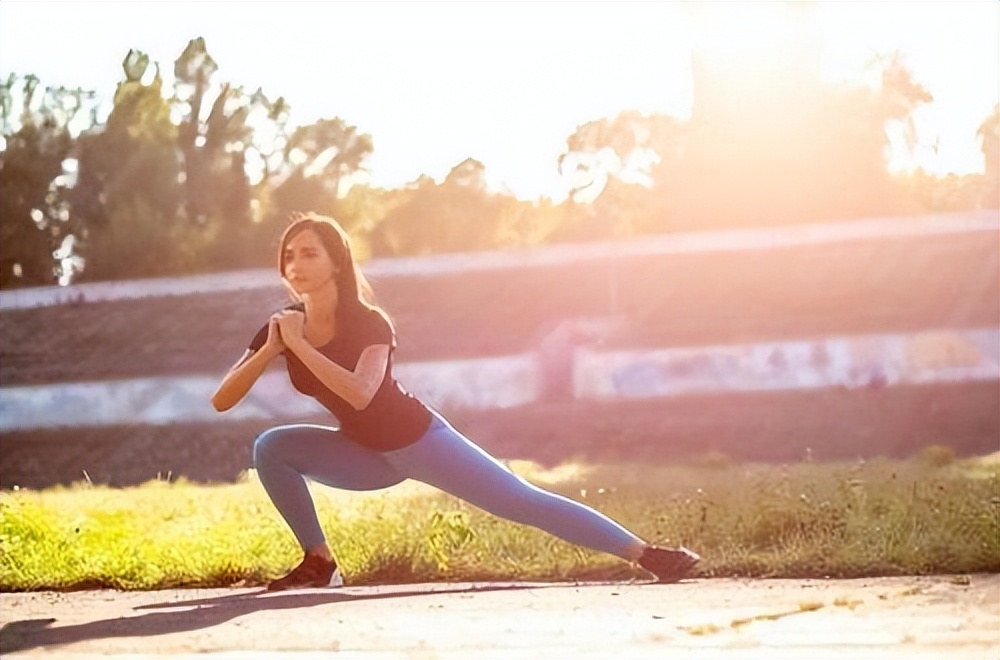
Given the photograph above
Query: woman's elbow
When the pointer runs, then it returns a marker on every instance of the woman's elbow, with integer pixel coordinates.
(363, 398)
(361, 402)
(221, 402)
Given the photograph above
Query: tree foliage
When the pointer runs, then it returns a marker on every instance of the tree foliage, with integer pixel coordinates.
(212, 137)
(458, 215)
(317, 159)
(806, 152)
(34, 216)
(202, 178)
(127, 196)
(989, 140)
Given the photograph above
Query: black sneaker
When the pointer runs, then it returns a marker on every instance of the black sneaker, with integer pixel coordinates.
(668, 564)
(314, 571)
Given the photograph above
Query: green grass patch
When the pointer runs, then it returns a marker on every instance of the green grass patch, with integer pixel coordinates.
(925, 515)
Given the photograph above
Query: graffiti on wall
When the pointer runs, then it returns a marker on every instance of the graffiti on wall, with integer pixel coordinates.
(871, 361)
(482, 383)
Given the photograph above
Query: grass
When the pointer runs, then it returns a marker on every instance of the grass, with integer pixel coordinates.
(930, 514)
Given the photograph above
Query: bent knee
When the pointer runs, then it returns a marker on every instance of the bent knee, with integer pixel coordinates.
(267, 446)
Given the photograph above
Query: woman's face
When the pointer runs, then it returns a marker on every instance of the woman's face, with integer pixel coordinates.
(308, 267)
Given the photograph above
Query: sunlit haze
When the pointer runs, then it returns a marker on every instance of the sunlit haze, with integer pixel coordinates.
(504, 82)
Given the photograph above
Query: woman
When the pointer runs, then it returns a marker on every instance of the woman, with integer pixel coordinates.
(339, 349)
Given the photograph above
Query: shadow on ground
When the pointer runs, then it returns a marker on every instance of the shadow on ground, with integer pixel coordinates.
(187, 615)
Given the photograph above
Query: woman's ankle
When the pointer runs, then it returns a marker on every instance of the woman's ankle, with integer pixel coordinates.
(635, 551)
(320, 551)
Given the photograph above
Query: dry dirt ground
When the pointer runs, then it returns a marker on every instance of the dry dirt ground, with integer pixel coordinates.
(948, 617)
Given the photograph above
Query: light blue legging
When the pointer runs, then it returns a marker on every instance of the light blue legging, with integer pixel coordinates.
(442, 457)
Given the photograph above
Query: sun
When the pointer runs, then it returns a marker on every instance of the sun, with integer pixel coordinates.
(751, 53)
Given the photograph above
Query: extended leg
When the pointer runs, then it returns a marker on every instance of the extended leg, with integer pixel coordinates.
(447, 460)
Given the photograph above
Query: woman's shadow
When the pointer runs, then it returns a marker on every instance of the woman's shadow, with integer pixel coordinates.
(189, 615)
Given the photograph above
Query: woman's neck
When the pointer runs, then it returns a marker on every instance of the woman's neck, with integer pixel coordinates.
(321, 305)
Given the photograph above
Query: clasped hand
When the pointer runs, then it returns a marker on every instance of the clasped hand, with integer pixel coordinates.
(286, 328)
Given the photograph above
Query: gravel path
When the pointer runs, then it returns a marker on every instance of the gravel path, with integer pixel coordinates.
(911, 617)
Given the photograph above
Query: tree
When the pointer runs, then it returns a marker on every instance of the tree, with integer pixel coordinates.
(127, 196)
(624, 147)
(319, 158)
(610, 164)
(768, 143)
(989, 137)
(810, 152)
(459, 214)
(235, 157)
(34, 216)
(166, 180)
(214, 145)
(361, 210)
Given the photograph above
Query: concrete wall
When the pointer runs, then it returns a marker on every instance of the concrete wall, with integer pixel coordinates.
(852, 362)
(932, 355)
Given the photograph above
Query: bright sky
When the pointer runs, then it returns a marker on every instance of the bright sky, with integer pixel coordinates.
(503, 82)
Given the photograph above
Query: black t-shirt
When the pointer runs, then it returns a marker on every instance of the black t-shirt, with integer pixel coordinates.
(394, 418)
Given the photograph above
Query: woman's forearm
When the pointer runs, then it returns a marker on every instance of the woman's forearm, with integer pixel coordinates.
(356, 387)
(240, 379)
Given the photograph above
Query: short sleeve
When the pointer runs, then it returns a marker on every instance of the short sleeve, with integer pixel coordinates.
(259, 339)
(380, 330)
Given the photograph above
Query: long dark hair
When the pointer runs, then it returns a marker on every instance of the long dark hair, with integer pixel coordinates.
(354, 293)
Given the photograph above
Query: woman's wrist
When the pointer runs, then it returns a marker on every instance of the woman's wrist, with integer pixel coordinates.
(269, 352)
